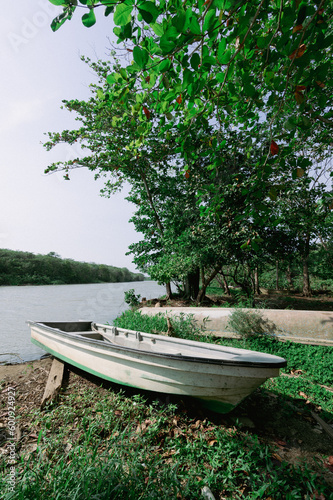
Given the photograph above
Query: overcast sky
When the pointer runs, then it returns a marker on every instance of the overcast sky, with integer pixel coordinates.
(43, 213)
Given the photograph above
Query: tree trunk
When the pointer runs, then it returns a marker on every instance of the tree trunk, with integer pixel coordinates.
(289, 278)
(192, 284)
(256, 282)
(168, 291)
(205, 283)
(225, 283)
(306, 277)
(277, 276)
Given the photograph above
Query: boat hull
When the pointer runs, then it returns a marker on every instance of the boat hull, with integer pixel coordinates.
(218, 385)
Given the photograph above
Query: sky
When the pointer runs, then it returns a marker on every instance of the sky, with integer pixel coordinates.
(44, 213)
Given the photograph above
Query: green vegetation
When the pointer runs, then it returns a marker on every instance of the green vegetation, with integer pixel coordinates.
(106, 445)
(250, 323)
(183, 326)
(131, 298)
(25, 268)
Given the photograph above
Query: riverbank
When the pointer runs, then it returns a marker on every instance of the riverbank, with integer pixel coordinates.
(171, 447)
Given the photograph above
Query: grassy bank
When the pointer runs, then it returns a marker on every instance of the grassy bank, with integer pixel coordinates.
(103, 442)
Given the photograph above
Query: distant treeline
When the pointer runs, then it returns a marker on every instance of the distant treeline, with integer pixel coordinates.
(25, 268)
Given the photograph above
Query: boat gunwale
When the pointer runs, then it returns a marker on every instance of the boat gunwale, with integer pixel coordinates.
(179, 357)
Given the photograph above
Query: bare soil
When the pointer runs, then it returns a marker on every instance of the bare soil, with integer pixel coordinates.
(286, 425)
(269, 299)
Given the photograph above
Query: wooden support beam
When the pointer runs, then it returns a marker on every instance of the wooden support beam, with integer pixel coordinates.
(327, 428)
(54, 382)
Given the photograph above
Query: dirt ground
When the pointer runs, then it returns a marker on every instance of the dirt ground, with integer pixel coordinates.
(269, 299)
(289, 427)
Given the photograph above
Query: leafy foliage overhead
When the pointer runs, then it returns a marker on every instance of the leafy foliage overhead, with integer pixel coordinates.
(233, 62)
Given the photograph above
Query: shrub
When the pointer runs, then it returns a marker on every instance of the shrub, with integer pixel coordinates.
(250, 323)
(131, 299)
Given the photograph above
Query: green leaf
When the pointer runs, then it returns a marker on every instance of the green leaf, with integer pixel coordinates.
(273, 194)
(157, 28)
(166, 45)
(108, 11)
(195, 61)
(305, 122)
(122, 14)
(301, 15)
(209, 22)
(146, 16)
(89, 19)
(100, 94)
(262, 42)
(290, 124)
(179, 21)
(221, 49)
(58, 21)
(250, 90)
(58, 2)
(148, 10)
(164, 65)
(195, 26)
(225, 58)
(140, 56)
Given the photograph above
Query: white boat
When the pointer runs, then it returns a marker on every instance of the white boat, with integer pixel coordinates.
(220, 377)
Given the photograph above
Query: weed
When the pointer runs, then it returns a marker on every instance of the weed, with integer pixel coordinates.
(183, 326)
(131, 299)
(250, 323)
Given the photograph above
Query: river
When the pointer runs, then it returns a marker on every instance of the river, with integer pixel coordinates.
(101, 302)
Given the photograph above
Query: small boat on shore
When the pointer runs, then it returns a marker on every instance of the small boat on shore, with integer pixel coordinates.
(219, 377)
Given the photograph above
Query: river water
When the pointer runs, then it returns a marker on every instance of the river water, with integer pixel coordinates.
(101, 302)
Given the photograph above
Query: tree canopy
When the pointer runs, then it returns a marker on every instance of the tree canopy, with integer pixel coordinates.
(232, 96)
(262, 67)
(26, 268)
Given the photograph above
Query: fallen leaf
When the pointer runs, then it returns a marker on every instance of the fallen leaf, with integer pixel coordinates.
(212, 442)
(179, 99)
(303, 395)
(318, 496)
(277, 457)
(280, 444)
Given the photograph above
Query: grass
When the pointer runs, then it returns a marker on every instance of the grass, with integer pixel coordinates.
(109, 444)
(120, 447)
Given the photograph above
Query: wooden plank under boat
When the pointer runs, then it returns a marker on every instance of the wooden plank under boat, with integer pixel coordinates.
(220, 377)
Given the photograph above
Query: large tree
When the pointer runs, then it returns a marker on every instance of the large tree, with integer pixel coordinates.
(252, 78)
